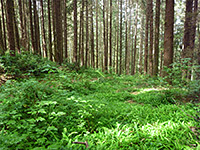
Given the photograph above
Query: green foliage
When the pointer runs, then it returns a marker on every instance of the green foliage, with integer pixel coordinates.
(107, 111)
(26, 63)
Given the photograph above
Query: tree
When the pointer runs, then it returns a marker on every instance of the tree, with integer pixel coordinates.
(43, 31)
(141, 46)
(65, 30)
(75, 32)
(92, 38)
(157, 32)
(2, 50)
(110, 34)
(151, 38)
(146, 38)
(4, 27)
(97, 32)
(49, 34)
(87, 35)
(168, 35)
(120, 49)
(59, 35)
(11, 26)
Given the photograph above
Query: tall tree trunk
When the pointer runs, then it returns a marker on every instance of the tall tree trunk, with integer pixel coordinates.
(59, 35)
(120, 49)
(126, 41)
(65, 30)
(146, 39)
(82, 44)
(198, 57)
(43, 32)
(23, 42)
(92, 38)
(35, 27)
(75, 32)
(141, 46)
(156, 44)
(31, 27)
(97, 32)
(17, 39)
(117, 38)
(135, 43)
(151, 39)
(2, 50)
(110, 34)
(104, 34)
(87, 36)
(11, 26)
(168, 35)
(4, 26)
(49, 35)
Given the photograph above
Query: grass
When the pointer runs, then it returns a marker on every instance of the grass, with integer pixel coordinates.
(108, 111)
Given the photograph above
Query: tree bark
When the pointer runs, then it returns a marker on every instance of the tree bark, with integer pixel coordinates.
(49, 35)
(65, 30)
(87, 36)
(75, 32)
(92, 38)
(141, 60)
(156, 44)
(4, 26)
(82, 44)
(126, 41)
(97, 32)
(151, 39)
(59, 35)
(11, 26)
(2, 50)
(43, 32)
(169, 36)
(110, 34)
(120, 49)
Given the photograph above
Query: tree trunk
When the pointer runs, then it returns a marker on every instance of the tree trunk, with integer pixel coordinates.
(59, 35)
(75, 32)
(151, 39)
(110, 33)
(82, 44)
(117, 38)
(2, 50)
(17, 39)
(157, 32)
(146, 40)
(135, 43)
(23, 42)
(126, 41)
(43, 32)
(11, 26)
(92, 38)
(4, 28)
(31, 27)
(87, 36)
(120, 49)
(168, 36)
(49, 35)
(141, 46)
(65, 30)
(36, 27)
(97, 32)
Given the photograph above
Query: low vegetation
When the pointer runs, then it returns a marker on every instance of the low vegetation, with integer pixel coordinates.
(45, 106)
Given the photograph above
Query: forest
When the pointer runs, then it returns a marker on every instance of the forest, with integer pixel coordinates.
(99, 74)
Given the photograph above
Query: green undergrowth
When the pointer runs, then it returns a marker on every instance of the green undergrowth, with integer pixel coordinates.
(55, 109)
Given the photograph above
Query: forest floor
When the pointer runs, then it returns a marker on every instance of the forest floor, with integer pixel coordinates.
(63, 108)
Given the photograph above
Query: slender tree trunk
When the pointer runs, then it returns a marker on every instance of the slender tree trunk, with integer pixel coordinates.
(104, 35)
(120, 49)
(157, 32)
(2, 50)
(49, 35)
(65, 30)
(17, 39)
(117, 43)
(31, 27)
(110, 34)
(87, 35)
(146, 40)
(23, 42)
(35, 27)
(75, 32)
(141, 45)
(92, 38)
(135, 43)
(3, 21)
(97, 32)
(151, 39)
(82, 44)
(59, 35)
(126, 41)
(198, 59)
(25, 18)
(43, 31)
(168, 35)
(11, 26)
